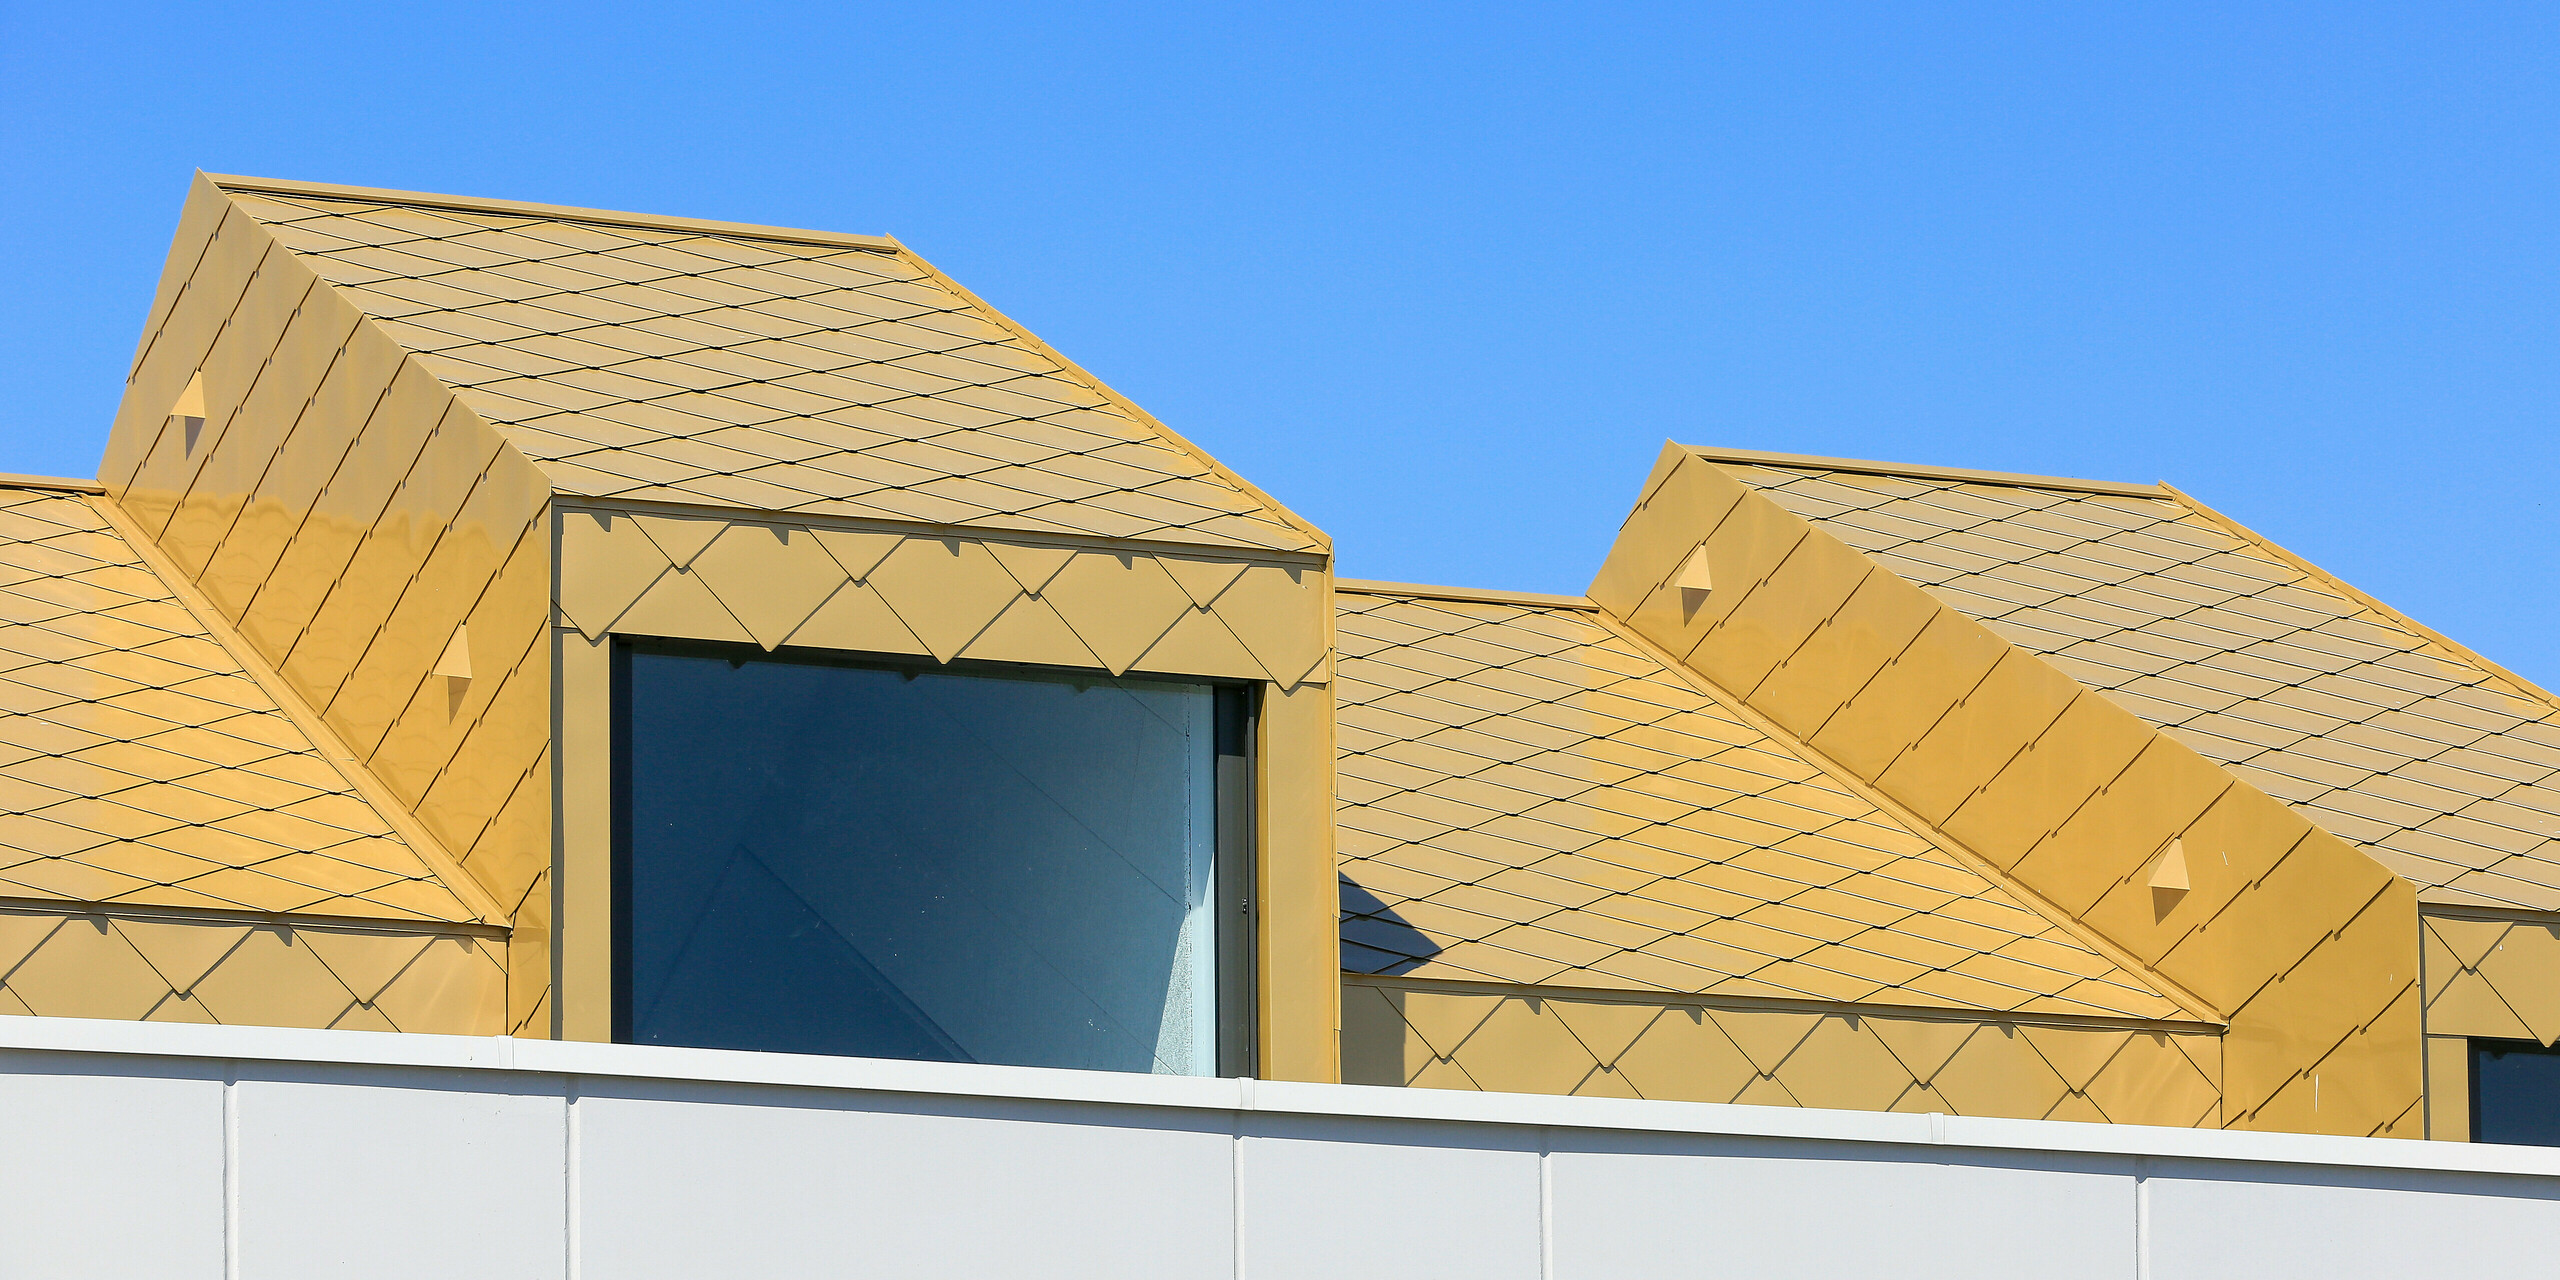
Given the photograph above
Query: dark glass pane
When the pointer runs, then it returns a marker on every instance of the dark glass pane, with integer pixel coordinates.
(892, 863)
(2515, 1093)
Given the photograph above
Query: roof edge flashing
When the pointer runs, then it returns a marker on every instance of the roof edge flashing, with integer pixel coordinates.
(1472, 595)
(568, 213)
(65, 484)
(1863, 466)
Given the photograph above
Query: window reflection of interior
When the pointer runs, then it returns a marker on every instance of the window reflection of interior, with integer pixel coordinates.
(854, 859)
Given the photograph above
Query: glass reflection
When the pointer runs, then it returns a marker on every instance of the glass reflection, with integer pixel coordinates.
(884, 862)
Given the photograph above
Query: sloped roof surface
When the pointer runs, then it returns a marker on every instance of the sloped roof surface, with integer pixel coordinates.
(1527, 796)
(140, 764)
(2441, 767)
(673, 364)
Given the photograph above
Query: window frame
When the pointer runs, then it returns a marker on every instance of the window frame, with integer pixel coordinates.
(1235, 761)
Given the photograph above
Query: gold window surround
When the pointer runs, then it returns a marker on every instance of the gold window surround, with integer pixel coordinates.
(2492, 976)
(865, 587)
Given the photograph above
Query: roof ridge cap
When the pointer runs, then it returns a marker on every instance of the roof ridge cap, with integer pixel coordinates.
(2349, 590)
(1483, 595)
(1756, 457)
(1292, 519)
(233, 182)
(67, 484)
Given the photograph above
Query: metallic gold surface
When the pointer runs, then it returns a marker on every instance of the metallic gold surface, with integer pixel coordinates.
(667, 364)
(1471, 1036)
(2443, 766)
(145, 766)
(780, 582)
(2493, 978)
(1528, 796)
(104, 963)
(2303, 944)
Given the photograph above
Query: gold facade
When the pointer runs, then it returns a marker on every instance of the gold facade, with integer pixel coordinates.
(1848, 785)
(140, 965)
(2303, 944)
(421, 458)
(1527, 1040)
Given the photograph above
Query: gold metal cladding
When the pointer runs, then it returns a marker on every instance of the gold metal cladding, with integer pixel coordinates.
(776, 583)
(394, 387)
(150, 766)
(1528, 796)
(350, 518)
(2489, 975)
(107, 963)
(647, 359)
(2304, 944)
(2493, 978)
(1530, 1040)
(2442, 765)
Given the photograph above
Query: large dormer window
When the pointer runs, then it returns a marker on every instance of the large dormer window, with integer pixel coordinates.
(970, 864)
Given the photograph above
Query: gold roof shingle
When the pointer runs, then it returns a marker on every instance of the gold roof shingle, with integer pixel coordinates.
(140, 764)
(2443, 768)
(815, 375)
(1527, 796)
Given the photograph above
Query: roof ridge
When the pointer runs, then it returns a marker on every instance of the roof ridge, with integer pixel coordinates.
(2343, 587)
(1482, 595)
(68, 484)
(1123, 403)
(233, 182)
(1756, 457)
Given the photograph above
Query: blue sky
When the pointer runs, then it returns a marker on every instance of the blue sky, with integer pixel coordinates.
(1443, 278)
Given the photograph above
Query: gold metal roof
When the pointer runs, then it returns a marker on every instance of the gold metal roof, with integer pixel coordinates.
(2441, 765)
(675, 360)
(142, 764)
(1530, 796)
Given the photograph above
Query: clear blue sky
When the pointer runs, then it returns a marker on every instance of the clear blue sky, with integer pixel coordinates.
(1443, 278)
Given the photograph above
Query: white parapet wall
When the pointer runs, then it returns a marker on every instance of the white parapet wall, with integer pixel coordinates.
(240, 1152)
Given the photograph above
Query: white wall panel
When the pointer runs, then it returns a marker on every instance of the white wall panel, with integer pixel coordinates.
(396, 1172)
(2259, 1221)
(1398, 1200)
(712, 1181)
(109, 1166)
(237, 1153)
(1671, 1206)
